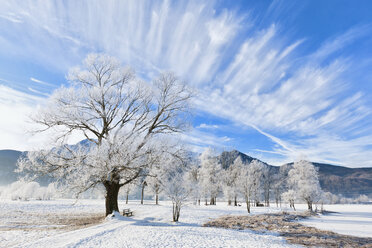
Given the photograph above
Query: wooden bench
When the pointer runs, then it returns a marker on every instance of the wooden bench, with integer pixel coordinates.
(127, 212)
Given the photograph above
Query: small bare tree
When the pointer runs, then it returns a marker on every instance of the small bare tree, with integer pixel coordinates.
(210, 175)
(230, 180)
(193, 178)
(290, 196)
(128, 188)
(303, 179)
(177, 191)
(279, 184)
(117, 113)
(250, 180)
(154, 181)
(246, 186)
(175, 181)
(267, 180)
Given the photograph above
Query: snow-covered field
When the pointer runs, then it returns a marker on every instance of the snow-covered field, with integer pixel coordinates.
(151, 226)
(30, 224)
(353, 220)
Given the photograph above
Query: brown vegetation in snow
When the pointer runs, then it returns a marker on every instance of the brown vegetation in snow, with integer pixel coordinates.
(286, 225)
(57, 221)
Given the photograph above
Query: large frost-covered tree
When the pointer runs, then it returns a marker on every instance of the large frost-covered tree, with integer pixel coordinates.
(119, 114)
(303, 180)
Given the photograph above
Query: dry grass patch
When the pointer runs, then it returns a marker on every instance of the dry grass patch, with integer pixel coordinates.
(72, 222)
(48, 221)
(286, 225)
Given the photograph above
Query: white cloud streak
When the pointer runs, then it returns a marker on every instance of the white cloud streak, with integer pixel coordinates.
(198, 140)
(207, 126)
(40, 82)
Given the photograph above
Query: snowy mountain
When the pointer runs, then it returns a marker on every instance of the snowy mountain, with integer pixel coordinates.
(227, 158)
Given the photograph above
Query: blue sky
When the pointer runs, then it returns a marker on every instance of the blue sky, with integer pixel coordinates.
(278, 80)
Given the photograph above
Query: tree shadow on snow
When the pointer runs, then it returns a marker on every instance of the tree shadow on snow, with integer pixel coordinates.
(149, 221)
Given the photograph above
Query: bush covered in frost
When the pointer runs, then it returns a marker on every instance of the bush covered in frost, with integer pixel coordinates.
(21, 190)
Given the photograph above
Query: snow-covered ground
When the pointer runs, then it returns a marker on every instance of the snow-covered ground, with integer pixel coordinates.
(151, 226)
(29, 224)
(353, 220)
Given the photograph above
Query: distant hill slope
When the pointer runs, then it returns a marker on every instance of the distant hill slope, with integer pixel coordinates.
(349, 182)
(335, 179)
(8, 161)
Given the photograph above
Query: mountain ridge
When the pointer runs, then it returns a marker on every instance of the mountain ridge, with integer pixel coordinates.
(350, 182)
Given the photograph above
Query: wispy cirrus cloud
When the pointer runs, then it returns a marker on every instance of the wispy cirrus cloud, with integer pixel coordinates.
(11, 17)
(303, 99)
(207, 126)
(40, 82)
(256, 75)
(198, 140)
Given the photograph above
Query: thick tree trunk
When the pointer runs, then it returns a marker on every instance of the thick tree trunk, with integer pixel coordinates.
(235, 201)
(112, 191)
(144, 184)
(157, 199)
(126, 198)
(229, 202)
(199, 202)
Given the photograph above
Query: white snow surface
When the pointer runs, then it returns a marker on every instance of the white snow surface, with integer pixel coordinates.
(352, 219)
(21, 225)
(151, 226)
